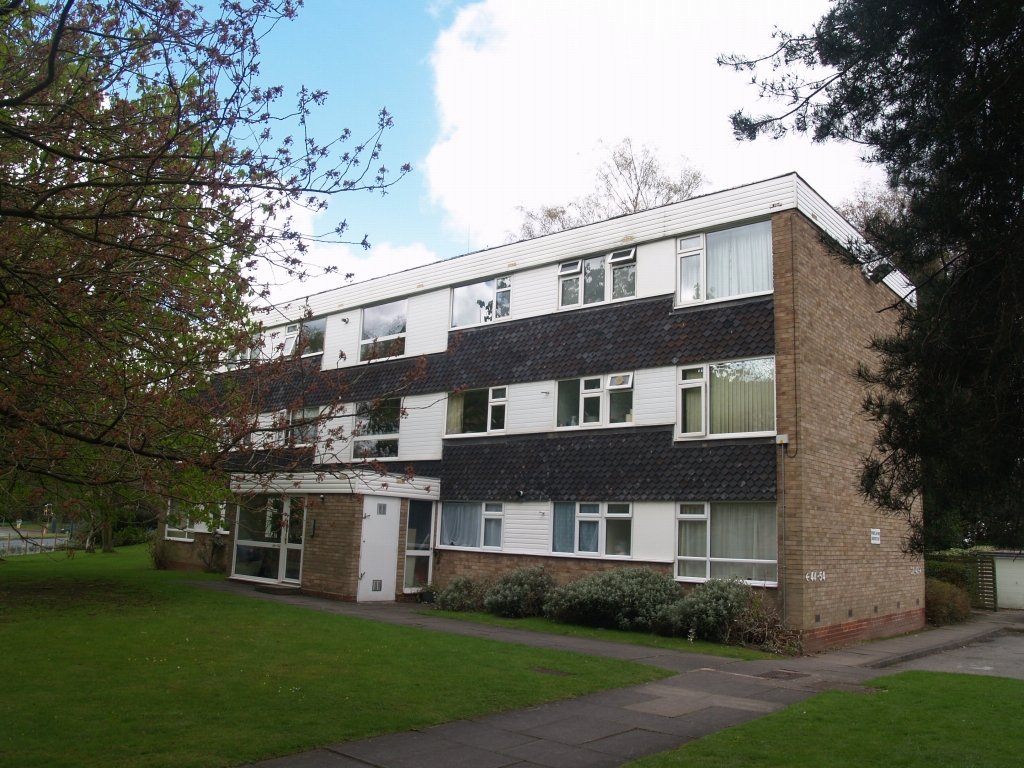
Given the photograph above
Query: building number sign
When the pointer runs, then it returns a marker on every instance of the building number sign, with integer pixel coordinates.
(814, 576)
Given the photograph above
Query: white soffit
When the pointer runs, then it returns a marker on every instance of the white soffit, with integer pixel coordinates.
(347, 481)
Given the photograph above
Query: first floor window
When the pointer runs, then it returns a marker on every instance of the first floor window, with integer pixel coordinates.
(587, 281)
(592, 528)
(727, 398)
(477, 410)
(303, 425)
(594, 401)
(376, 431)
(383, 332)
(724, 540)
(471, 524)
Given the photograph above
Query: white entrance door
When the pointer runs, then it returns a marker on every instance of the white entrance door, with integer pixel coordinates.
(378, 555)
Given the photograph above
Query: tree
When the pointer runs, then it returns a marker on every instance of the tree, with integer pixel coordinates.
(935, 93)
(142, 180)
(627, 182)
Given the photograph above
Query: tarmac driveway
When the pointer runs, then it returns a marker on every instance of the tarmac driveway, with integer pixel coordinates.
(1001, 656)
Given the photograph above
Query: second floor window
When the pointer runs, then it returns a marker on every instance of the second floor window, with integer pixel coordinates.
(383, 333)
(306, 338)
(598, 279)
(482, 302)
(725, 264)
(375, 435)
(595, 400)
(477, 410)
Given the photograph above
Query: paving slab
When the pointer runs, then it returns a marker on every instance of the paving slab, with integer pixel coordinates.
(577, 730)
(318, 758)
(556, 755)
(637, 743)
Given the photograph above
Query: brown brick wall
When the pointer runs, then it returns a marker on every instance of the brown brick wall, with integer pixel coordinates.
(184, 555)
(488, 565)
(330, 559)
(837, 635)
(836, 311)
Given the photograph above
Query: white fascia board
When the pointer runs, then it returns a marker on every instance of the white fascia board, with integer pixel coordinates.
(347, 481)
(698, 214)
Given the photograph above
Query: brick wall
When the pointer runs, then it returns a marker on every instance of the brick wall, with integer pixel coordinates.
(825, 315)
(488, 565)
(185, 555)
(330, 559)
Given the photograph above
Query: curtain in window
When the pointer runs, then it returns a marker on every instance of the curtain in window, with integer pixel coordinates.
(455, 405)
(744, 530)
(564, 525)
(460, 523)
(742, 396)
(739, 260)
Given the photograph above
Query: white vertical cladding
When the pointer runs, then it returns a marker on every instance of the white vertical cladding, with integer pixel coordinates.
(654, 396)
(654, 533)
(527, 527)
(420, 433)
(427, 323)
(341, 336)
(535, 292)
(655, 268)
(531, 407)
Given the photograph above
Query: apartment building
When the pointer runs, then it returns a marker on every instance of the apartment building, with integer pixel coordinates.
(672, 388)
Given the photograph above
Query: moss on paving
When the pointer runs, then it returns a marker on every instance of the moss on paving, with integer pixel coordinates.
(110, 663)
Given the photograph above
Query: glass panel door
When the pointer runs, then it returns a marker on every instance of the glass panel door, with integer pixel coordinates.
(268, 538)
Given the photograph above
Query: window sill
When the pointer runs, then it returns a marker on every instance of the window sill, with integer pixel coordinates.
(765, 584)
(464, 435)
(688, 304)
(604, 303)
(730, 436)
(585, 427)
(455, 329)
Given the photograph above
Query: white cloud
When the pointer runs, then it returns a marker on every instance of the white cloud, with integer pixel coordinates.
(527, 91)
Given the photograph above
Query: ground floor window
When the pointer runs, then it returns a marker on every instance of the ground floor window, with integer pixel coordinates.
(592, 528)
(417, 544)
(722, 540)
(268, 538)
(472, 524)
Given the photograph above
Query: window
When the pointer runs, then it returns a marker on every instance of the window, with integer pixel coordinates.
(471, 524)
(305, 338)
(375, 435)
(592, 528)
(727, 399)
(417, 544)
(601, 278)
(268, 538)
(178, 525)
(585, 401)
(477, 411)
(303, 425)
(482, 302)
(383, 332)
(725, 264)
(724, 540)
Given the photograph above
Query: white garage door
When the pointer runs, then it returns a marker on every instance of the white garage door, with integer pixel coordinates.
(1010, 582)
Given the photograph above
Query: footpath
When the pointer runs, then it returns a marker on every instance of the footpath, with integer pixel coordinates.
(611, 728)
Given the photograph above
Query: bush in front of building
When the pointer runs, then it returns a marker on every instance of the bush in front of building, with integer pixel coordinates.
(621, 598)
(460, 594)
(133, 534)
(945, 603)
(520, 593)
(710, 612)
(959, 573)
(159, 554)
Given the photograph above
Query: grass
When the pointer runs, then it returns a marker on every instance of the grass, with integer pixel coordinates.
(639, 638)
(916, 720)
(110, 663)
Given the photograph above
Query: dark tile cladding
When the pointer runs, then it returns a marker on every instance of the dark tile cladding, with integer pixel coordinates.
(617, 337)
(607, 465)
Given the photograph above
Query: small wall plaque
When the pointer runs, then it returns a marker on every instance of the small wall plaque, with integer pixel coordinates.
(876, 535)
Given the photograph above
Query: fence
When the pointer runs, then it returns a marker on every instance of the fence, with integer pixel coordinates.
(29, 544)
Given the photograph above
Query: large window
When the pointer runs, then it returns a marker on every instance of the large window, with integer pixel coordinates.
(305, 338)
(592, 528)
(383, 333)
(375, 435)
(734, 398)
(482, 302)
(477, 410)
(595, 400)
(303, 423)
(725, 264)
(417, 544)
(724, 540)
(471, 524)
(598, 279)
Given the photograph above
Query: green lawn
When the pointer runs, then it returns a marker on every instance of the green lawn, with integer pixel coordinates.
(917, 720)
(109, 663)
(639, 638)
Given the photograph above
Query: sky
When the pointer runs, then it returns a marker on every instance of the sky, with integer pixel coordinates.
(507, 103)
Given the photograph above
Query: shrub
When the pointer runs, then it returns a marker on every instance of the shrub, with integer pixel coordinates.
(962, 574)
(520, 593)
(133, 534)
(760, 625)
(623, 598)
(460, 594)
(945, 603)
(709, 612)
(159, 554)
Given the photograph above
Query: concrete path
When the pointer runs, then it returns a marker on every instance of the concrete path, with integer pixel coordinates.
(614, 727)
(1001, 656)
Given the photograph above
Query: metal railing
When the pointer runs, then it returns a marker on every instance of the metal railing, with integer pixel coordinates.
(31, 544)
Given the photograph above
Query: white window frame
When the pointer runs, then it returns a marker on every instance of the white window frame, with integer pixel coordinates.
(300, 414)
(356, 438)
(428, 553)
(708, 559)
(704, 384)
(701, 253)
(379, 339)
(282, 543)
(496, 512)
(494, 304)
(601, 516)
(492, 401)
(603, 393)
(573, 270)
(189, 530)
(291, 335)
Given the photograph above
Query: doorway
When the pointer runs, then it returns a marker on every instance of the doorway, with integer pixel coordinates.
(268, 539)
(378, 555)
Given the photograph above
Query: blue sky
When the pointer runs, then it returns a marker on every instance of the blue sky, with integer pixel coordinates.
(500, 103)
